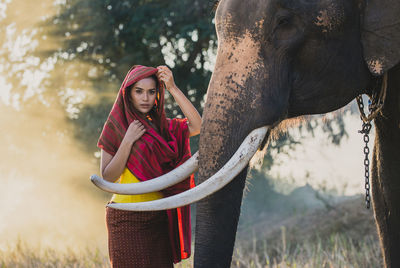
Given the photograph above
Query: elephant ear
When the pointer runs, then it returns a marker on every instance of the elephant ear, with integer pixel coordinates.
(381, 35)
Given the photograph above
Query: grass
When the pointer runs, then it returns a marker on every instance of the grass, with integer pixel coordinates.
(22, 255)
(336, 251)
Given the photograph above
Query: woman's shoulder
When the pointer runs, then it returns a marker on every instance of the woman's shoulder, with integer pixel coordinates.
(177, 120)
(181, 123)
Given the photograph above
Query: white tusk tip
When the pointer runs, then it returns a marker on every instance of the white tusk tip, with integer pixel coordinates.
(94, 178)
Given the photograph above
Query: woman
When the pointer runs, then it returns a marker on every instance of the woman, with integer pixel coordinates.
(139, 143)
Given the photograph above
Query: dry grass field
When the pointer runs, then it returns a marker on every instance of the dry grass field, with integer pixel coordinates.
(339, 237)
(337, 251)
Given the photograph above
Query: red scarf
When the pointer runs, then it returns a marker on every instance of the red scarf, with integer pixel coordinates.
(155, 153)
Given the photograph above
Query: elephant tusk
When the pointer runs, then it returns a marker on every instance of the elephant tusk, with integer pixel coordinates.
(171, 178)
(226, 174)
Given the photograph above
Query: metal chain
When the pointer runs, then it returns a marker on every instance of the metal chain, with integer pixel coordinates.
(366, 127)
(375, 106)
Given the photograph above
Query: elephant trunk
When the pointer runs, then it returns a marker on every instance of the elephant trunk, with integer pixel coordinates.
(240, 98)
(218, 215)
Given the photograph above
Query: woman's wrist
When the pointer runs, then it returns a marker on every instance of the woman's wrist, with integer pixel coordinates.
(125, 142)
(174, 91)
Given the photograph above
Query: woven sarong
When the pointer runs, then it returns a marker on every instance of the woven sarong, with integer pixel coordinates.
(138, 239)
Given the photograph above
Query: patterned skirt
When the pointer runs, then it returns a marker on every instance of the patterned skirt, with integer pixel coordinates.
(138, 239)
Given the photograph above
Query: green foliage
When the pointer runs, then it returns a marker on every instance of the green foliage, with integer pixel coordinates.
(111, 36)
(90, 121)
(100, 40)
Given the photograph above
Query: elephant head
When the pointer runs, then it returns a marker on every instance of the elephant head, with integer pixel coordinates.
(279, 59)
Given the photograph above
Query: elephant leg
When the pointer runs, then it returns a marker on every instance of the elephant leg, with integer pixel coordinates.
(386, 174)
(386, 203)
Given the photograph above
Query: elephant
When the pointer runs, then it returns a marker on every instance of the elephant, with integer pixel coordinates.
(278, 60)
(281, 59)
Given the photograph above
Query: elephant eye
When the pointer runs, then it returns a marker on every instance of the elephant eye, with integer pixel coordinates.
(284, 21)
(286, 28)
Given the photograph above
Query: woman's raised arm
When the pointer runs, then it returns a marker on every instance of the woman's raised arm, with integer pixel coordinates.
(165, 75)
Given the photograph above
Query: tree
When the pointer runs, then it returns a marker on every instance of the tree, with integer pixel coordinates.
(103, 39)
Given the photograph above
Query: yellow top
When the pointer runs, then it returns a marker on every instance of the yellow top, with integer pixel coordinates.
(128, 177)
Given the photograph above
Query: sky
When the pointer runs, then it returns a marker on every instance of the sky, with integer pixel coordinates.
(320, 163)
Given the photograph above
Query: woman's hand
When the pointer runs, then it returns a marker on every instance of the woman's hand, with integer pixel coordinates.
(134, 132)
(112, 166)
(165, 75)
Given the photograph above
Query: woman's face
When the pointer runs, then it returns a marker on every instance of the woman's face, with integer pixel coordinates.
(143, 94)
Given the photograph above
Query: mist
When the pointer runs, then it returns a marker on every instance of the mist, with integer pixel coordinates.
(46, 198)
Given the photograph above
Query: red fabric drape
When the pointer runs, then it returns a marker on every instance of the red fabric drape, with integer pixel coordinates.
(155, 153)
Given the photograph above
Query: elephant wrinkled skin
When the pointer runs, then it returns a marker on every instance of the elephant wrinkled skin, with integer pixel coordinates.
(278, 59)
